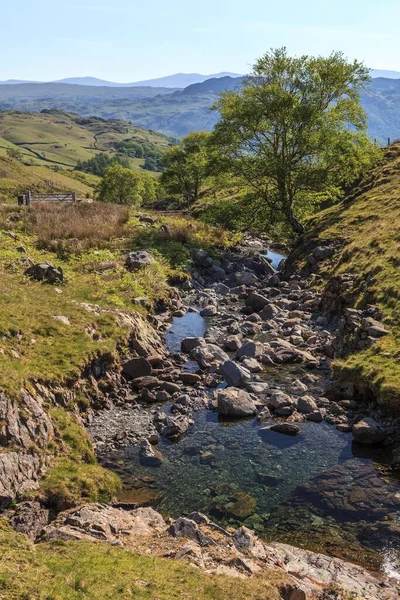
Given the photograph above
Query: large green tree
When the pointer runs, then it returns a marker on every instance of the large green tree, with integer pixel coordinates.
(124, 186)
(295, 132)
(186, 166)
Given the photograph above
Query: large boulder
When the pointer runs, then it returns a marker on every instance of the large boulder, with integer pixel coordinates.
(45, 272)
(137, 367)
(256, 301)
(250, 350)
(137, 260)
(306, 405)
(368, 431)
(234, 402)
(207, 354)
(148, 455)
(234, 374)
(190, 343)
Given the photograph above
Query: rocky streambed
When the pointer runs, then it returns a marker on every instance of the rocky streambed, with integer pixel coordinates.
(240, 420)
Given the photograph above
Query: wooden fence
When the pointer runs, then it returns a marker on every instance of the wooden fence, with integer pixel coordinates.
(29, 197)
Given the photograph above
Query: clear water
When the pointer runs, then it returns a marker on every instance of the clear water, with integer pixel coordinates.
(275, 258)
(318, 490)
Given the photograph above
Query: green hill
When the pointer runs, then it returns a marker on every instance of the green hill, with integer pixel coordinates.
(61, 139)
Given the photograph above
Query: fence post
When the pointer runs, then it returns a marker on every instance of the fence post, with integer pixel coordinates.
(28, 198)
(388, 141)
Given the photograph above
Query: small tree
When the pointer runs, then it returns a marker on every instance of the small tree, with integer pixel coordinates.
(120, 185)
(14, 153)
(295, 132)
(186, 166)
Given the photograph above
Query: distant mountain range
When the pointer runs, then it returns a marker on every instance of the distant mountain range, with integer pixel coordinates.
(382, 73)
(175, 111)
(179, 80)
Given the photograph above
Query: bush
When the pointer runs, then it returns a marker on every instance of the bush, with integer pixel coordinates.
(124, 186)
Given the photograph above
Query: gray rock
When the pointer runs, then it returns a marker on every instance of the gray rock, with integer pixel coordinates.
(252, 365)
(250, 350)
(208, 354)
(222, 289)
(368, 431)
(244, 539)
(148, 455)
(269, 312)
(234, 374)
(148, 381)
(256, 301)
(45, 272)
(306, 404)
(286, 428)
(30, 518)
(232, 343)
(137, 260)
(190, 378)
(190, 343)
(209, 311)
(137, 367)
(235, 402)
(322, 252)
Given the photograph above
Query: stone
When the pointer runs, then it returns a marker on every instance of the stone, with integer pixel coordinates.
(250, 349)
(286, 428)
(191, 551)
(45, 272)
(171, 388)
(235, 402)
(208, 354)
(209, 311)
(244, 539)
(316, 416)
(199, 256)
(148, 381)
(190, 378)
(190, 343)
(368, 431)
(269, 312)
(245, 278)
(174, 427)
(222, 289)
(306, 404)
(30, 518)
(232, 343)
(252, 365)
(62, 319)
(234, 374)
(264, 415)
(256, 301)
(137, 367)
(322, 252)
(148, 455)
(279, 399)
(137, 260)
(218, 274)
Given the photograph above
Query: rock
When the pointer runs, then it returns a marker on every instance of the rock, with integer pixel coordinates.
(148, 455)
(207, 458)
(285, 428)
(264, 415)
(244, 539)
(279, 399)
(250, 350)
(316, 416)
(256, 301)
(46, 272)
(190, 343)
(269, 312)
(199, 256)
(234, 374)
(191, 551)
(137, 367)
(232, 343)
(222, 289)
(190, 378)
(171, 388)
(208, 354)
(246, 278)
(234, 402)
(30, 518)
(306, 404)
(368, 431)
(174, 427)
(148, 381)
(186, 528)
(322, 252)
(209, 311)
(218, 274)
(252, 365)
(137, 260)
(62, 319)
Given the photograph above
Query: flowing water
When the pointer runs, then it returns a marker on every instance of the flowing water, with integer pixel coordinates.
(318, 490)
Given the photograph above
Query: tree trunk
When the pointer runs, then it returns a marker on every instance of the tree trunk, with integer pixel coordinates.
(294, 222)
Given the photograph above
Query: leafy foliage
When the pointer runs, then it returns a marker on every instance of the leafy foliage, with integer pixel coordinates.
(124, 186)
(187, 167)
(295, 133)
(99, 163)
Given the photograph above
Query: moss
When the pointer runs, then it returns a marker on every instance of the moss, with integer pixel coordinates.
(68, 484)
(76, 441)
(67, 570)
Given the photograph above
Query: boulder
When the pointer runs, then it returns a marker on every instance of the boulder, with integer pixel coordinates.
(209, 311)
(235, 402)
(286, 428)
(148, 455)
(232, 343)
(137, 367)
(174, 427)
(30, 518)
(148, 381)
(190, 378)
(250, 350)
(199, 256)
(234, 374)
(368, 431)
(208, 354)
(252, 365)
(269, 312)
(306, 404)
(244, 539)
(45, 272)
(190, 343)
(137, 260)
(256, 301)
(222, 289)
(322, 252)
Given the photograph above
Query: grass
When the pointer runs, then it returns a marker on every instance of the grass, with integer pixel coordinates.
(70, 570)
(90, 243)
(368, 224)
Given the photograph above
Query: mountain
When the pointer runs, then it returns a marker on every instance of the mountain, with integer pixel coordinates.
(176, 112)
(382, 73)
(88, 81)
(182, 80)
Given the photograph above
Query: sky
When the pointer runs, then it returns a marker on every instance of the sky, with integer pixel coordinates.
(127, 40)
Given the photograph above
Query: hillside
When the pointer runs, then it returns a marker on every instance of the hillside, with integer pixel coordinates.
(60, 139)
(364, 229)
(178, 112)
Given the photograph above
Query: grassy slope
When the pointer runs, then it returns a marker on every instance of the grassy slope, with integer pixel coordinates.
(89, 242)
(64, 139)
(89, 571)
(16, 178)
(369, 224)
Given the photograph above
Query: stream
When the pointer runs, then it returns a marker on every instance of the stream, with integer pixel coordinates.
(319, 490)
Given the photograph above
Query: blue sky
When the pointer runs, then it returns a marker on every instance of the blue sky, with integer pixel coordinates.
(128, 40)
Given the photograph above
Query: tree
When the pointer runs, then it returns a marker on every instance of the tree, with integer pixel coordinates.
(99, 163)
(120, 185)
(295, 132)
(186, 166)
(14, 153)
